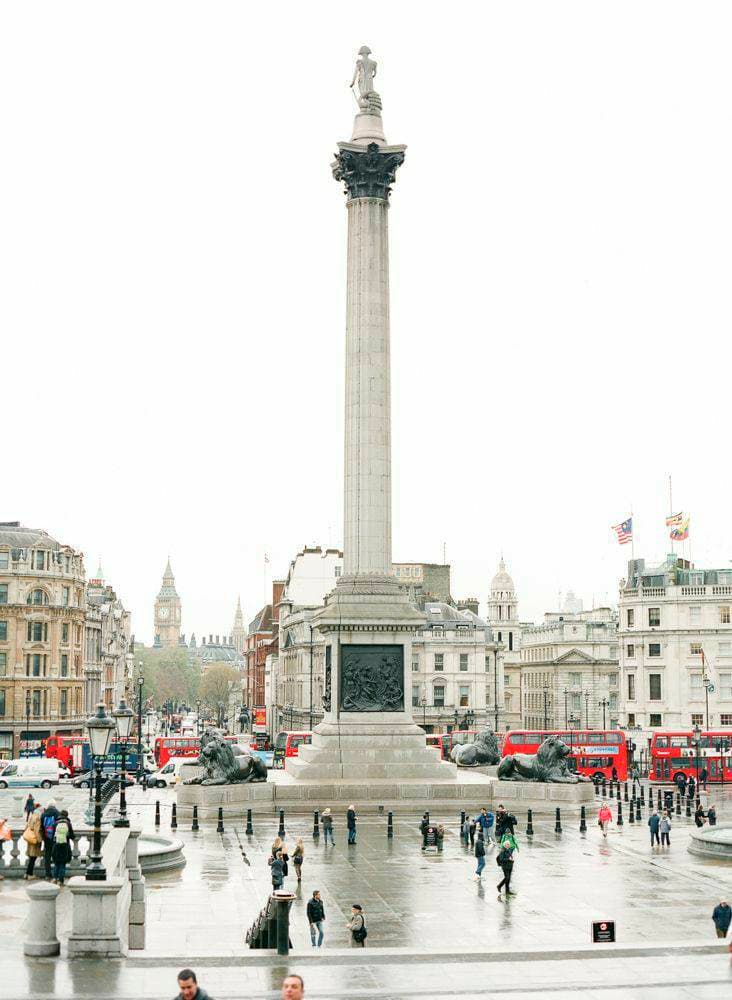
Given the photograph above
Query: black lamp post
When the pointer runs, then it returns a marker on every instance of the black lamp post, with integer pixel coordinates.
(697, 739)
(100, 728)
(423, 703)
(566, 721)
(603, 704)
(311, 676)
(140, 685)
(123, 716)
(546, 707)
(27, 722)
(587, 709)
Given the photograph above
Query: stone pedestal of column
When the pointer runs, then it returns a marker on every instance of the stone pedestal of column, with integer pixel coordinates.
(97, 929)
(41, 937)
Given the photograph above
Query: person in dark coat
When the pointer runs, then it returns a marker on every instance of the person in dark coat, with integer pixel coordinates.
(351, 824)
(505, 862)
(188, 987)
(505, 823)
(278, 873)
(480, 855)
(49, 818)
(316, 917)
(654, 822)
(722, 917)
(691, 788)
(29, 806)
(703, 777)
(712, 815)
(699, 816)
(681, 784)
(61, 850)
(423, 828)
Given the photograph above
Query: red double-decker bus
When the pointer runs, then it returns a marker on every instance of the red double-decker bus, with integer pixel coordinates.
(179, 746)
(594, 752)
(676, 752)
(67, 750)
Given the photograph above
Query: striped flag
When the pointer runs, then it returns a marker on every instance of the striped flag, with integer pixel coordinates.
(624, 531)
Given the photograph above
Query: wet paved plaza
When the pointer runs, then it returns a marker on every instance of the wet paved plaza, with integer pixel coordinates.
(427, 905)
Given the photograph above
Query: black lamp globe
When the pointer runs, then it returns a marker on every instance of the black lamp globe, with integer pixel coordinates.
(123, 716)
(100, 728)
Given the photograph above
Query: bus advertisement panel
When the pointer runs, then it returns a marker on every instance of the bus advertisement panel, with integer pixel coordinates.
(595, 753)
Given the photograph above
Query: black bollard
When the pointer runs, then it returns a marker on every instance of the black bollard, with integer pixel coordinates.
(604, 788)
(281, 831)
(249, 828)
(462, 819)
(658, 806)
(642, 796)
(638, 810)
(529, 824)
(620, 813)
(558, 822)
(194, 824)
(597, 788)
(316, 825)
(174, 818)
(631, 812)
(157, 812)
(688, 806)
(220, 824)
(625, 793)
(583, 820)
(678, 803)
(390, 825)
(612, 789)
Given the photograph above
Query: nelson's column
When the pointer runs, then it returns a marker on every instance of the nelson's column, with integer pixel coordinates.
(368, 734)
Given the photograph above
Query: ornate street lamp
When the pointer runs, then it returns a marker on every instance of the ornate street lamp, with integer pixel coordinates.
(100, 728)
(123, 716)
(423, 703)
(140, 685)
(697, 739)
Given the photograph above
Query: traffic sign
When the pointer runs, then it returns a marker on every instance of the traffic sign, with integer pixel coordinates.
(603, 931)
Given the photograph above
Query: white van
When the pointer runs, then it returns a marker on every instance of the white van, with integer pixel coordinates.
(30, 772)
(170, 774)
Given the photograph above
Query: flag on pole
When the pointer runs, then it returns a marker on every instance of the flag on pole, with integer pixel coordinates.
(679, 525)
(266, 558)
(624, 531)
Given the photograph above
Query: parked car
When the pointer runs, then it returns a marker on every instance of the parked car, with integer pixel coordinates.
(86, 779)
(170, 774)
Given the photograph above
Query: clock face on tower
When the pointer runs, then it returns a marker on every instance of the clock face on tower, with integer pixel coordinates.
(163, 612)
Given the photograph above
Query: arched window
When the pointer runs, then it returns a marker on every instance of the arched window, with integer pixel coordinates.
(37, 597)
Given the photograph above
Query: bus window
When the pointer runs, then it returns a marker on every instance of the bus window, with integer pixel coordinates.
(679, 741)
(662, 741)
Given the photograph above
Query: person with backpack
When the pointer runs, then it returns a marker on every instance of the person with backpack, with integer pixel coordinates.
(277, 865)
(49, 818)
(33, 837)
(480, 855)
(357, 926)
(61, 851)
(504, 860)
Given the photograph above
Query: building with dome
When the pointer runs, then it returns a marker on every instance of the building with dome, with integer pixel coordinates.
(503, 618)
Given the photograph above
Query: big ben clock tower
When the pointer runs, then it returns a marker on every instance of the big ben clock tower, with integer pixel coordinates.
(167, 612)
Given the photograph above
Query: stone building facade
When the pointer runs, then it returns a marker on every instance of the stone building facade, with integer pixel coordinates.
(167, 613)
(676, 646)
(108, 649)
(569, 668)
(42, 628)
(503, 618)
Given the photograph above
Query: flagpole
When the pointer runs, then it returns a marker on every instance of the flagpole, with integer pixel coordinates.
(670, 511)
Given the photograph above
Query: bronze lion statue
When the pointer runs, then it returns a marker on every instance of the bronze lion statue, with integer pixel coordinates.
(484, 750)
(549, 763)
(224, 763)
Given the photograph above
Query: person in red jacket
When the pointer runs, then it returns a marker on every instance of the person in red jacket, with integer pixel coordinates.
(604, 818)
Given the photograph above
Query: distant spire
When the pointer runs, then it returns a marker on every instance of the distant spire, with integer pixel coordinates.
(238, 615)
(168, 571)
(100, 571)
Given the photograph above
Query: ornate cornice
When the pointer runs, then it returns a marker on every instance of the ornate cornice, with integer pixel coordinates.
(369, 173)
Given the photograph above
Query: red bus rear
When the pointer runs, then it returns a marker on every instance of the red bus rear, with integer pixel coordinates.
(676, 752)
(62, 748)
(594, 752)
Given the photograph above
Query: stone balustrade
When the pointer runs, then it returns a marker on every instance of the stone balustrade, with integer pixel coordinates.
(12, 853)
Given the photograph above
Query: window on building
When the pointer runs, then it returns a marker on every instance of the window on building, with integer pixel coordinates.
(695, 649)
(37, 597)
(726, 720)
(654, 648)
(337, 571)
(487, 697)
(695, 614)
(725, 686)
(438, 694)
(65, 632)
(415, 663)
(510, 642)
(631, 718)
(3, 664)
(655, 720)
(463, 661)
(40, 560)
(654, 617)
(500, 637)
(631, 687)
(724, 615)
(37, 631)
(630, 617)
(654, 687)
(439, 661)
(4, 560)
(575, 680)
(66, 595)
(464, 696)
(612, 680)
(613, 702)
(695, 684)
(576, 702)
(64, 665)
(3, 631)
(487, 664)
(3, 593)
(438, 630)
(64, 704)
(697, 719)
(630, 651)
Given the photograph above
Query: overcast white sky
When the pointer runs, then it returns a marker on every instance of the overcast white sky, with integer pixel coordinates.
(172, 261)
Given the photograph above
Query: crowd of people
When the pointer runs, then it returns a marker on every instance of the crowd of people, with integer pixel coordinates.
(48, 834)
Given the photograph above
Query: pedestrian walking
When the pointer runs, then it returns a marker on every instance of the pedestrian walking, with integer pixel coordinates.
(691, 788)
(277, 869)
(722, 917)
(33, 837)
(505, 823)
(316, 917)
(614, 774)
(61, 851)
(351, 824)
(440, 837)
(298, 856)
(472, 827)
(636, 775)
(703, 777)
(423, 828)
(485, 821)
(276, 846)
(293, 987)
(480, 855)
(504, 859)
(604, 818)
(49, 818)
(654, 823)
(681, 783)
(29, 806)
(712, 815)
(326, 818)
(285, 858)
(188, 988)
(699, 815)
(665, 828)
(357, 926)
